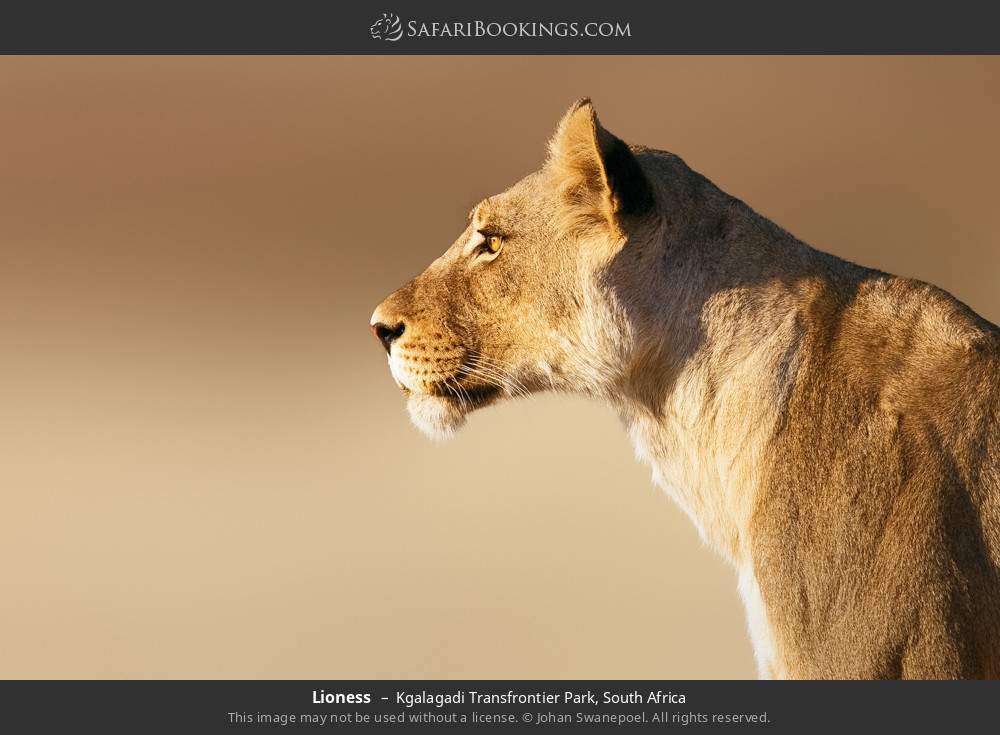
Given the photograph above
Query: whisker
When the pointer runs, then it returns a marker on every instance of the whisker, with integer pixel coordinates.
(455, 390)
(503, 370)
(465, 397)
(494, 377)
(486, 366)
(485, 377)
(484, 372)
(488, 377)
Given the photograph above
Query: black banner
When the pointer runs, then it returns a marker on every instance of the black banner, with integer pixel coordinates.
(512, 27)
(524, 706)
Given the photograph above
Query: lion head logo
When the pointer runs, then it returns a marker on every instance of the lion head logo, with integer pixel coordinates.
(387, 28)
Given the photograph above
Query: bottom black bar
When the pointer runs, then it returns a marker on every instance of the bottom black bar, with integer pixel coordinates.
(525, 706)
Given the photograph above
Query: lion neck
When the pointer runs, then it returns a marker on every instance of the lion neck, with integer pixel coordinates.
(711, 362)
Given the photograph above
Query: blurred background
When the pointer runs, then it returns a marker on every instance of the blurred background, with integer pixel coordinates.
(206, 468)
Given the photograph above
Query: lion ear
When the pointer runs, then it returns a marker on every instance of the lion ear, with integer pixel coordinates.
(595, 169)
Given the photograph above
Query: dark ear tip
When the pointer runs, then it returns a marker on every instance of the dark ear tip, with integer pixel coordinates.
(581, 104)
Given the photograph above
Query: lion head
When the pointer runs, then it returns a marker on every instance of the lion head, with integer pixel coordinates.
(522, 301)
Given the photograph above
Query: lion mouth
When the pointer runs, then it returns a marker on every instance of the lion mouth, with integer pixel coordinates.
(466, 396)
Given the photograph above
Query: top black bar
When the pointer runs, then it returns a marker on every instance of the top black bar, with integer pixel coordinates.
(511, 27)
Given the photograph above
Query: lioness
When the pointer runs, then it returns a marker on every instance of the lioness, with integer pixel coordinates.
(833, 431)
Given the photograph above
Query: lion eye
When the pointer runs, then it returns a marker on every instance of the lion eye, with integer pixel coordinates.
(493, 243)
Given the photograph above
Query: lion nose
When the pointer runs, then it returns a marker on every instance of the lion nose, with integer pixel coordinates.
(387, 334)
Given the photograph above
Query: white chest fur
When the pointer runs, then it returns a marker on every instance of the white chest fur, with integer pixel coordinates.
(761, 634)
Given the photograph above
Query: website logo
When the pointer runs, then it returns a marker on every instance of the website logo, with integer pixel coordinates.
(387, 28)
(390, 28)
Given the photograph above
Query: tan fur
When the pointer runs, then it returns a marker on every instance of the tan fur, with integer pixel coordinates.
(831, 430)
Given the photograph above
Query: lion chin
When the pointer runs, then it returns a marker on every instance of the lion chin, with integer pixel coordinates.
(437, 417)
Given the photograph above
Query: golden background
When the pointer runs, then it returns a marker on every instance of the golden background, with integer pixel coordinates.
(206, 470)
